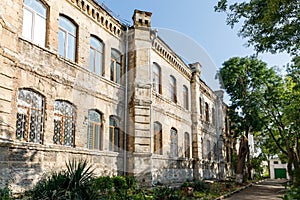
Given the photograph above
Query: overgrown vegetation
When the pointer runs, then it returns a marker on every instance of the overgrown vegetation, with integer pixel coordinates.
(272, 98)
(78, 182)
(74, 183)
(5, 193)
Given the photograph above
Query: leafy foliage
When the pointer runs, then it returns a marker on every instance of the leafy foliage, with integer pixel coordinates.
(292, 193)
(118, 187)
(5, 193)
(270, 25)
(198, 185)
(267, 103)
(166, 193)
(73, 183)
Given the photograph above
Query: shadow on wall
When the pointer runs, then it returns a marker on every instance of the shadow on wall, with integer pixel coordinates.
(20, 167)
(175, 172)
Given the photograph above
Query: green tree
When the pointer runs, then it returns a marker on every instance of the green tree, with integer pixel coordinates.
(269, 25)
(242, 79)
(266, 103)
(280, 109)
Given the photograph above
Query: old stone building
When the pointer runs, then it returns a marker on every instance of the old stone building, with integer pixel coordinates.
(76, 83)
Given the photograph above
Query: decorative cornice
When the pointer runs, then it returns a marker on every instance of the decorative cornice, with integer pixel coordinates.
(99, 15)
(171, 57)
(205, 90)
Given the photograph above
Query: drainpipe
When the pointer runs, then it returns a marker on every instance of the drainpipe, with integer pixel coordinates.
(151, 90)
(126, 104)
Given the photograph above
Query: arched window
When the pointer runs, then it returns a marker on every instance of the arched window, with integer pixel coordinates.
(174, 143)
(114, 134)
(185, 97)
(96, 55)
(67, 38)
(115, 66)
(213, 116)
(208, 150)
(157, 138)
(64, 123)
(34, 21)
(187, 145)
(206, 112)
(30, 116)
(157, 78)
(94, 136)
(172, 87)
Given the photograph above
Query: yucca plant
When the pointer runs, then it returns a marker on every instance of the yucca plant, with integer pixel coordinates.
(81, 179)
(75, 183)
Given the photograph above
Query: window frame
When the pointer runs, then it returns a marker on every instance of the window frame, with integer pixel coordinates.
(26, 131)
(156, 73)
(206, 112)
(173, 89)
(93, 124)
(112, 133)
(97, 52)
(34, 14)
(66, 38)
(187, 145)
(63, 132)
(158, 137)
(114, 61)
(173, 142)
(185, 97)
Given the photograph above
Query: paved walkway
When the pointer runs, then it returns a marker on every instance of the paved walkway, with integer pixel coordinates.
(268, 189)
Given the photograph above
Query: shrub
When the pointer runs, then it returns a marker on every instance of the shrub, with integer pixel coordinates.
(165, 193)
(5, 193)
(200, 186)
(131, 182)
(74, 183)
(292, 193)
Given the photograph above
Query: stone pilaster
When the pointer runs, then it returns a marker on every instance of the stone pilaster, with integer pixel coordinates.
(139, 159)
(196, 141)
(219, 131)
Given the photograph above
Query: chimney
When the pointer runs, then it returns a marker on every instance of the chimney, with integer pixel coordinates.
(141, 19)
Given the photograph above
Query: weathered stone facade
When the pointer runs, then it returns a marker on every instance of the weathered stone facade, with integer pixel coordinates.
(189, 143)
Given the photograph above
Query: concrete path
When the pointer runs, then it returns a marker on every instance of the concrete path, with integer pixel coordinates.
(268, 189)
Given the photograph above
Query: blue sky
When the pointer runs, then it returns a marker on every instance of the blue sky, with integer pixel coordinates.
(192, 28)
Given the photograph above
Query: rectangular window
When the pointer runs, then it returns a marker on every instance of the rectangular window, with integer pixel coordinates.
(34, 21)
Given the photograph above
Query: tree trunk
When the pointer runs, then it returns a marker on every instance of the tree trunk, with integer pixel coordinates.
(243, 151)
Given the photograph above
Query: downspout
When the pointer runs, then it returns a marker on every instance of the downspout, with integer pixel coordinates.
(126, 104)
(151, 90)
